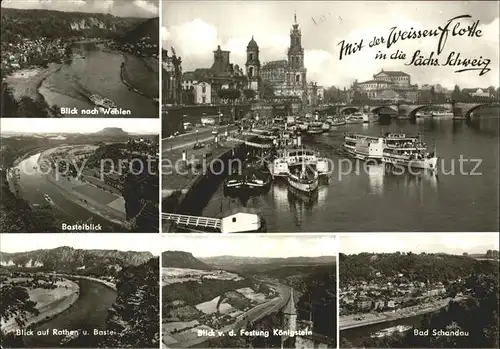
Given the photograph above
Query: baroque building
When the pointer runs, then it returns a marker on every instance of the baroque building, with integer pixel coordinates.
(393, 85)
(222, 75)
(171, 78)
(253, 65)
(289, 77)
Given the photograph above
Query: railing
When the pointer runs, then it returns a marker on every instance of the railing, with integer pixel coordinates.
(251, 144)
(192, 221)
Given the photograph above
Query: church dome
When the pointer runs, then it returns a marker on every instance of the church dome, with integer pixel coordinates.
(252, 44)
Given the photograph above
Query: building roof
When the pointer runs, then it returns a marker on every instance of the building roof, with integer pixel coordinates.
(375, 81)
(275, 64)
(188, 75)
(252, 44)
(391, 73)
(388, 94)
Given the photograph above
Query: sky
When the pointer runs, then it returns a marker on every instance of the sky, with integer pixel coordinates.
(195, 28)
(264, 246)
(121, 8)
(79, 125)
(140, 242)
(452, 243)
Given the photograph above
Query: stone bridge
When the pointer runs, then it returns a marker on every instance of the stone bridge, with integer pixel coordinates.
(461, 110)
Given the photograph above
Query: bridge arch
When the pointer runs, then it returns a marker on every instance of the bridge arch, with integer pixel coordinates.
(377, 108)
(349, 109)
(412, 112)
(468, 112)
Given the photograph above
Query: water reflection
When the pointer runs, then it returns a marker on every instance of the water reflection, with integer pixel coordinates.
(376, 178)
(286, 198)
(412, 180)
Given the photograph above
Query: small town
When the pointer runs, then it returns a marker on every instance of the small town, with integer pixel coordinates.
(382, 295)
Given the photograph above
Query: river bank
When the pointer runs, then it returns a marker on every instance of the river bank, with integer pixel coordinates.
(49, 310)
(84, 277)
(89, 203)
(348, 322)
(26, 82)
(178, 182)
(142, 86)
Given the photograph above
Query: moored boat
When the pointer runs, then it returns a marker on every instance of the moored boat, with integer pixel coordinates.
(338, 121)
(356, 118)
(370, 117)
(286, 157)
(303, 178)
(390, 331)
(423, 114)
(364, 147)
(399, 149)
(442, 114)
(325, 126)
(234, 182)
(315, 127)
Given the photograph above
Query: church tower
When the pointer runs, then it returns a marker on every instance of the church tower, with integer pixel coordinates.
(296, 51)
(296, 75)
(289, 318)
(253, 65)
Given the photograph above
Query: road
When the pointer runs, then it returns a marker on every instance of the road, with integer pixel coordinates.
(347, 322)
(254, 314)
(189, 139)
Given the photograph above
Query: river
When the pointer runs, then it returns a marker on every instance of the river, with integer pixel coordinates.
(90, 311)
(98, 73)
(358, 334)
(377, 200)
(33, 184)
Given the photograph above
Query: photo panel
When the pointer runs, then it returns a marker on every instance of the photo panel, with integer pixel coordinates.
(79, 175)
(312, 120)
(80, 291)
(80, 58)
(434, 290)
(249, 291)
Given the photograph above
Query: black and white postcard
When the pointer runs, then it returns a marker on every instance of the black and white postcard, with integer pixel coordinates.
(79, 291)
(419, 291)
(330, 116)
(79, 175)
(249, 291)
(83, 58)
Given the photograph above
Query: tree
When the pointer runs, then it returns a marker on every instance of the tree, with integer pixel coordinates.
(229, 94)
(455, 95)
(332, 95)
(266, 90)
(433, 94)
(249, 94)
(15, 302)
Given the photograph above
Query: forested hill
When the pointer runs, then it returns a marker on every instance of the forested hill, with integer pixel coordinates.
(69, 259)
(135, 315)
(415, 267)
(147, 29)
(18, 24)
(180, 259)
(319, 296)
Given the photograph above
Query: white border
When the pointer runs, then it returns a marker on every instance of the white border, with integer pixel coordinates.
(160, 126)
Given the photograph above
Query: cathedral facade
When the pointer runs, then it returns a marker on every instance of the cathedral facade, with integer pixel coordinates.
(289, 77)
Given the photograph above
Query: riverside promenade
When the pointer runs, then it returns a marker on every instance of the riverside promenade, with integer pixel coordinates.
(176, 177)
(348, 322)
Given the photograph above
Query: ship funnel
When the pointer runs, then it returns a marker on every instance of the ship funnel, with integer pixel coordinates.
(316, 117)
(184, 155)
(299, 141)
